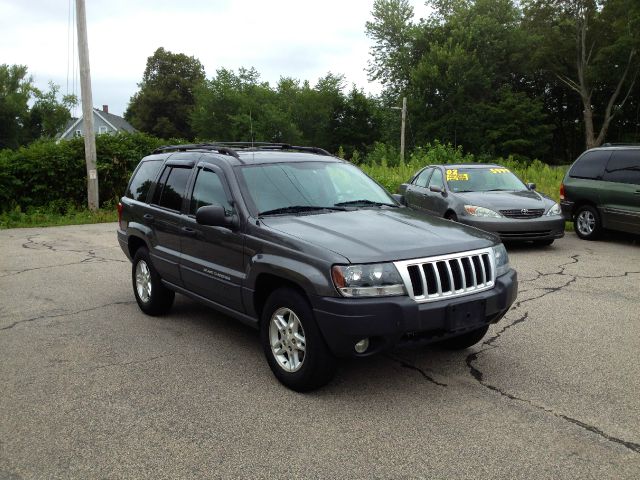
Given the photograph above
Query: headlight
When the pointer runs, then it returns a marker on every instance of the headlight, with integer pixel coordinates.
(481, 211)
(501, 260)
(555, 210)
(377, 280)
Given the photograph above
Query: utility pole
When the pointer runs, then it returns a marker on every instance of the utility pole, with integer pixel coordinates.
(404, 118)
(87, 107)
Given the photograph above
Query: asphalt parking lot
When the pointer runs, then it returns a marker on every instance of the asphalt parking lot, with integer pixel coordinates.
(93, 388)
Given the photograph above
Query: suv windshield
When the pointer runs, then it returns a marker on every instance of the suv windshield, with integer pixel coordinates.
(490, 179)
(307, 186)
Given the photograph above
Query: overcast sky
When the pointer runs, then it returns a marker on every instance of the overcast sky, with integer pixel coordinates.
(300, 39)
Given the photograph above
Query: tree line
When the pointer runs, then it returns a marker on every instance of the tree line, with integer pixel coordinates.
(524, 78)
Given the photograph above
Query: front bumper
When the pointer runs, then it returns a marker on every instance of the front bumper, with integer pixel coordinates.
(541, 228)
(400, 321)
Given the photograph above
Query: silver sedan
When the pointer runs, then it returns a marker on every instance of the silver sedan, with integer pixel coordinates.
(489, 197)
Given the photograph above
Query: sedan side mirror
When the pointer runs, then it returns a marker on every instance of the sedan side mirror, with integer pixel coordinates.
(214, 216)
(531, 186)
(436, 189)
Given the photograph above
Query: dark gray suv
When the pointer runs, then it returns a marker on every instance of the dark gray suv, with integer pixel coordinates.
(309, 250)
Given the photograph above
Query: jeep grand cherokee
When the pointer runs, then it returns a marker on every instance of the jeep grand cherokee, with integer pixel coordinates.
(311, 251)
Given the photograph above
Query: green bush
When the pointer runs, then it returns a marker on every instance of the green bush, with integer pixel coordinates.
(53, 175)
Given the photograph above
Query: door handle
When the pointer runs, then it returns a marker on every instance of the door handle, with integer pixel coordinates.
(637, 192)
(189, 232)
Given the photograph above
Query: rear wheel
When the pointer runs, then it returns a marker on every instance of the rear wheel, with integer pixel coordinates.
(292, 343)
(152, 296)
(465, 340)
(587, 223)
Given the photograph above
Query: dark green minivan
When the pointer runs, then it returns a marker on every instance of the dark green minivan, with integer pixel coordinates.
(601, 190)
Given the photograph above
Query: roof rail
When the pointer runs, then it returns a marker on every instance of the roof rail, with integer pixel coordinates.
(274, 146)
(609, 144)
(223, 149)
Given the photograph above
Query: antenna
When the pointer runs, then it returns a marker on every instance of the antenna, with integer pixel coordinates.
(251, 127)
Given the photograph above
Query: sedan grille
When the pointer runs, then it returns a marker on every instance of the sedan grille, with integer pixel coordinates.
(523, 213)
(446, 276)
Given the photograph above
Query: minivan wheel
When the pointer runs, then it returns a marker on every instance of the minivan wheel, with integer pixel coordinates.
(465, 340)
(293, 344)
(152, 296)
(587, 223)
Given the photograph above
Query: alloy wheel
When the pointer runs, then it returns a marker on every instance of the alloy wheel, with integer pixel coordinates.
(287, 339)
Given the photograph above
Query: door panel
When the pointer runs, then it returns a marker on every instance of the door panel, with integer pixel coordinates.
(415, 195)
(212, 261)
(620, 191)
(435, 202)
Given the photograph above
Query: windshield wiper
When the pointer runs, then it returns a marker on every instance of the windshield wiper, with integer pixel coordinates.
(499, 190)
(365, 202)
(298, 209)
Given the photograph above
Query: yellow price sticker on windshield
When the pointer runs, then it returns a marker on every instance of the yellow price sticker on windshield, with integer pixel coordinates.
(499, 170)
(453, 175)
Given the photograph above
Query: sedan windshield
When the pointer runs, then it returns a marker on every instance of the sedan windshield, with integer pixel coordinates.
(490, 179)
(285, 188)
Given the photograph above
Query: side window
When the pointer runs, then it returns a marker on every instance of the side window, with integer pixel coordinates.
(170, 193)
(590, 165)
(436, 179)
(143, 179)
(208, 190)
(421, 179)
(624, 167)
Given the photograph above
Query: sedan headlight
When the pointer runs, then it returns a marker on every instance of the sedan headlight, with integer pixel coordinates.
(555, 210)
(501, 260)
(481, 211)
(376, 280)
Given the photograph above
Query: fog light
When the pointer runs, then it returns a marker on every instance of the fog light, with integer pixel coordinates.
(362, 345)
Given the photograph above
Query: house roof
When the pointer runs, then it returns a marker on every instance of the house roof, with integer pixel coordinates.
(116, 122)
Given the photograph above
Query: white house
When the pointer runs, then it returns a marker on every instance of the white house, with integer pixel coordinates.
(103, 122)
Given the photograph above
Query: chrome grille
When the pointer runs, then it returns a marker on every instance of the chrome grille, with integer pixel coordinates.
(446, 276)
(523, 213)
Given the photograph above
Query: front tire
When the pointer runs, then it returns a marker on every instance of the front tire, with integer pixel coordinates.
(451, 216)
(293, 344)
(587, 223)
(152, 296)
(465, 340)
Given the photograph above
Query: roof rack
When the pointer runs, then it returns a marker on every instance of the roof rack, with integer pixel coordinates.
(609, 144)
(274, 146)
(223, 149)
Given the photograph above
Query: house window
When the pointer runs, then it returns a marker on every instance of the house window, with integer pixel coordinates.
(102, 129)
(78, 133)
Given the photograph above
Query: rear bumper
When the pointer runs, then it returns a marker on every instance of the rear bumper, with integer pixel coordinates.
(400, 321)
(541, 228)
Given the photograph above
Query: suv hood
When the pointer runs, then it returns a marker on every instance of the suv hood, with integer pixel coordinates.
(380, 235)
(505, 200)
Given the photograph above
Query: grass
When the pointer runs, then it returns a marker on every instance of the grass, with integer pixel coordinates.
(45, 217)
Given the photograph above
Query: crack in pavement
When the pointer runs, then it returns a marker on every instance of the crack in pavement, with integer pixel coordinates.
(30, 244)
(44, 317)
(408, 365)
(489, 343)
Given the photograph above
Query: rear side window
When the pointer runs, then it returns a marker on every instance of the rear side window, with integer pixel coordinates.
(170, 192)
(624, 167)
(143, 179)
(590, 165)
(423, 177)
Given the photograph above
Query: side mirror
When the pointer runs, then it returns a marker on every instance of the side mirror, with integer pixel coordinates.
(214, 216)
(531, 186)
(436, 189)
(398, 198)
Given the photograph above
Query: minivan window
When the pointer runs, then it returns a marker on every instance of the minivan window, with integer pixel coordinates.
(590, 165)
(172, 192)
(624, 167)
(143, 179)
(208, 190)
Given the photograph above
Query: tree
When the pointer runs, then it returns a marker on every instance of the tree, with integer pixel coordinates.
(165, 102)
(48, 116)
(592, 48)
(15, 90)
